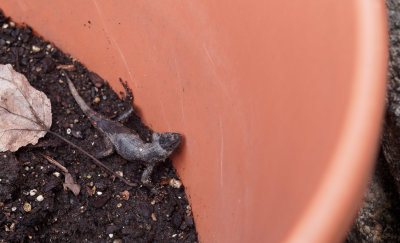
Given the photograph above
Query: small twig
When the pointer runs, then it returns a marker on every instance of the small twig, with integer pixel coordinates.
(68, 67)
(95, 160)
(54, 162)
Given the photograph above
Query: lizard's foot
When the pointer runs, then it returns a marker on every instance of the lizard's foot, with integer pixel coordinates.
(128, 103)
(125, 116)
(109, 149)
(128, 91)
(146, 180)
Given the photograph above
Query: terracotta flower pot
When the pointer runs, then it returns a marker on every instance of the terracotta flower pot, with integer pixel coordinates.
(280, 102)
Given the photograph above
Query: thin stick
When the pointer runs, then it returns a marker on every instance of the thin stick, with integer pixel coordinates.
(96, 161)
(54, 162)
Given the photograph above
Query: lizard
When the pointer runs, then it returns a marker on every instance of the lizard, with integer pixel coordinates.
(125, 141)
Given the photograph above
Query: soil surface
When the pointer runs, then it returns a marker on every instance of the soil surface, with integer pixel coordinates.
(34, 205)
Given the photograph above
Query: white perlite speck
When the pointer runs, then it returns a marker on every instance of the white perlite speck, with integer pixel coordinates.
(39, 198)
(32, 192)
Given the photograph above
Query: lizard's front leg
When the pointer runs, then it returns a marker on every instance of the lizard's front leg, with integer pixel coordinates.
(147, 173)
(128, 101)
(108, 148)
(125, 115)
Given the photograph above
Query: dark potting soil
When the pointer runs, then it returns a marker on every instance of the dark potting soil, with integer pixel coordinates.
(34, 206)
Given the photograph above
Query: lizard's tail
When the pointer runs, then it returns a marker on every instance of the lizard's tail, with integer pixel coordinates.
(85, 108)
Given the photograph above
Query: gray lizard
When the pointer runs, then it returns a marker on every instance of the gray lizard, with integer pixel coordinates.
(127, 142)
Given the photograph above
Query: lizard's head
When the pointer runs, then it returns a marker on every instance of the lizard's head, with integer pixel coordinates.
(169, 141)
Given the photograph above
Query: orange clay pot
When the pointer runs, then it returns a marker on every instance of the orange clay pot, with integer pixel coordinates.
(280, 102)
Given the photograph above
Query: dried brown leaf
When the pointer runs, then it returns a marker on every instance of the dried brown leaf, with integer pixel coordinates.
(70, 184)
(91, 191)
(21, 106)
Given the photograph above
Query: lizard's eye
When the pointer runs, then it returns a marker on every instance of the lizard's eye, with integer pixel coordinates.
(170, 141)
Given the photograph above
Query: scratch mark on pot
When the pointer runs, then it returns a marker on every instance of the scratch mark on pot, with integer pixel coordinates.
(208, 54)
(182, 103)
(178, 75)
(221, 153)
(217, 77)
(114, 42)
(164, 115)
(222, 76)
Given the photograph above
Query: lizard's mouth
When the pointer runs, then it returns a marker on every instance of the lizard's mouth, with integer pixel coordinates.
(170, 141)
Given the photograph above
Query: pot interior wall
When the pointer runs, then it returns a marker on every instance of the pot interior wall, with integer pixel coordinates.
(259, 89)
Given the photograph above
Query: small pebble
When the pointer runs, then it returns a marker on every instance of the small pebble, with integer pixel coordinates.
(13, 209)
(188, 210)
(99, 193)
(120, 173)
(153, 217)
(69, 131)
(175, 183)
(39, 198)
(27, 207)
(77, 134)
(60, 81)
(56, 174)
(96, 79)
(32, 192)
(12, 24)
(111, 235)
(367, 229)
(189, 221)
(5, 26)
(35, 48)
(119, 205)
(96, 100)
(117, 241)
